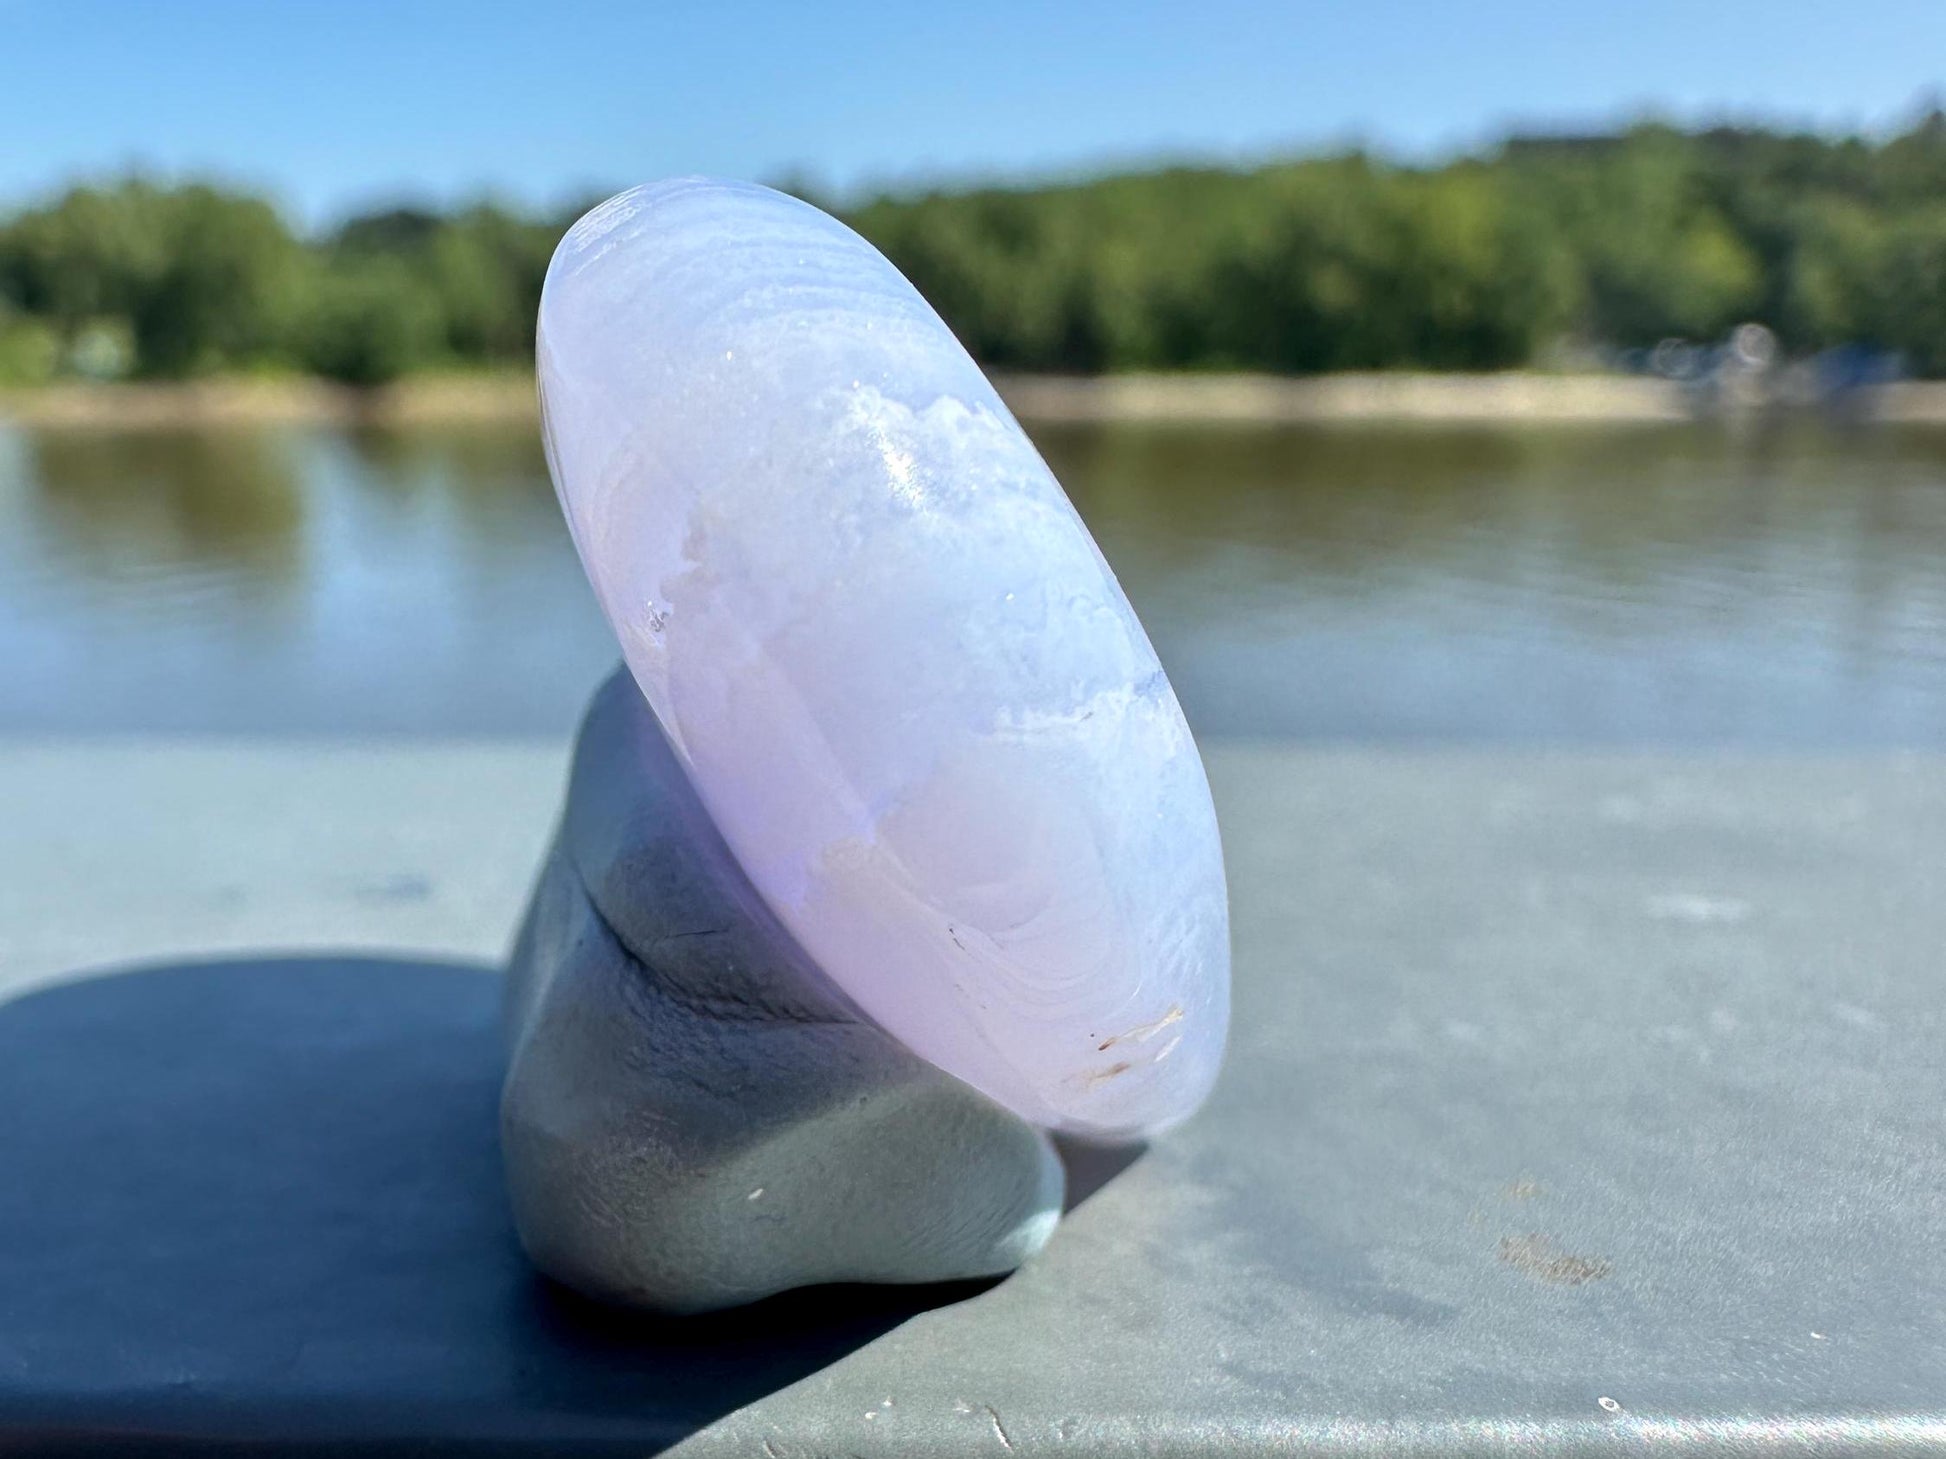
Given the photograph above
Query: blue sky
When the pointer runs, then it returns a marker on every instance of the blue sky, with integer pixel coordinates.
(334, 106)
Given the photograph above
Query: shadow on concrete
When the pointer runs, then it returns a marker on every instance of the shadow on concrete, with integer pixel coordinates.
(259, 1201)
(1091, 1166)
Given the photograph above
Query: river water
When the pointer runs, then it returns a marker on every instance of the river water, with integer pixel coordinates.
(1714, 584)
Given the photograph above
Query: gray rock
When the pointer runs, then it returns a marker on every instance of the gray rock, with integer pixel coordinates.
(694, 1117)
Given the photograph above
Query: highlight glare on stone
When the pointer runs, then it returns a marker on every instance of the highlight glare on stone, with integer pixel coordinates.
(887, 652)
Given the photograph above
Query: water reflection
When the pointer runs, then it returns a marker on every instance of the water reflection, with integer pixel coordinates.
(107, 504)
(1644, 585)
(297, 581)
(1648, 584)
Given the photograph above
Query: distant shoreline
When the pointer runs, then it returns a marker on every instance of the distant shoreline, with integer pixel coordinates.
(430, 399)
(1512, 398)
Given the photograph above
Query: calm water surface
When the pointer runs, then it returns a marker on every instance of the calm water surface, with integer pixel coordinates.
(1650, 585)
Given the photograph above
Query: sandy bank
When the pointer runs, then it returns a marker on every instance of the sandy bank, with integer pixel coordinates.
(1187, 398)
(223, 402)
(1512, 397)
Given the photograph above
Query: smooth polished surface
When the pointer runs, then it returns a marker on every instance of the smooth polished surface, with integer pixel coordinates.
(693, 1119)
(886, 650)
(1579, 1104)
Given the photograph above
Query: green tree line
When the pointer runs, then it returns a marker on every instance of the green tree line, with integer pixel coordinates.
(1331, 263)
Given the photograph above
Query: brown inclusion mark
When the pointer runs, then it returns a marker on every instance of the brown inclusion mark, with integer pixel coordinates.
(1541, 1257)
(1142, 1032)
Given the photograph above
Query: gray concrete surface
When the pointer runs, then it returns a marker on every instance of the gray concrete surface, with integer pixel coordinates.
(1582, 1102)
(114, 851)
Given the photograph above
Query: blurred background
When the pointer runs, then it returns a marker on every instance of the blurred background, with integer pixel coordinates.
(1508, 373)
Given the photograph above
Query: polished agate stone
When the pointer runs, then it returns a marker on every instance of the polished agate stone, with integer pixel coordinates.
(882, 645)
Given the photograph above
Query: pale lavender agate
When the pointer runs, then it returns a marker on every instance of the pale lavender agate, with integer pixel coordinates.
(886, 650)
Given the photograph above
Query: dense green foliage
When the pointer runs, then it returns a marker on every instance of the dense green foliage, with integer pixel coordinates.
(1334, 263)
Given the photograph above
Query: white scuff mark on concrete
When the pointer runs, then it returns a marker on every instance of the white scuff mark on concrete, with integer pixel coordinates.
(1697, 909)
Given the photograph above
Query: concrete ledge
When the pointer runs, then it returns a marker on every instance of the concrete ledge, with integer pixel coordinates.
(117, 851)
(1585, 1103)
